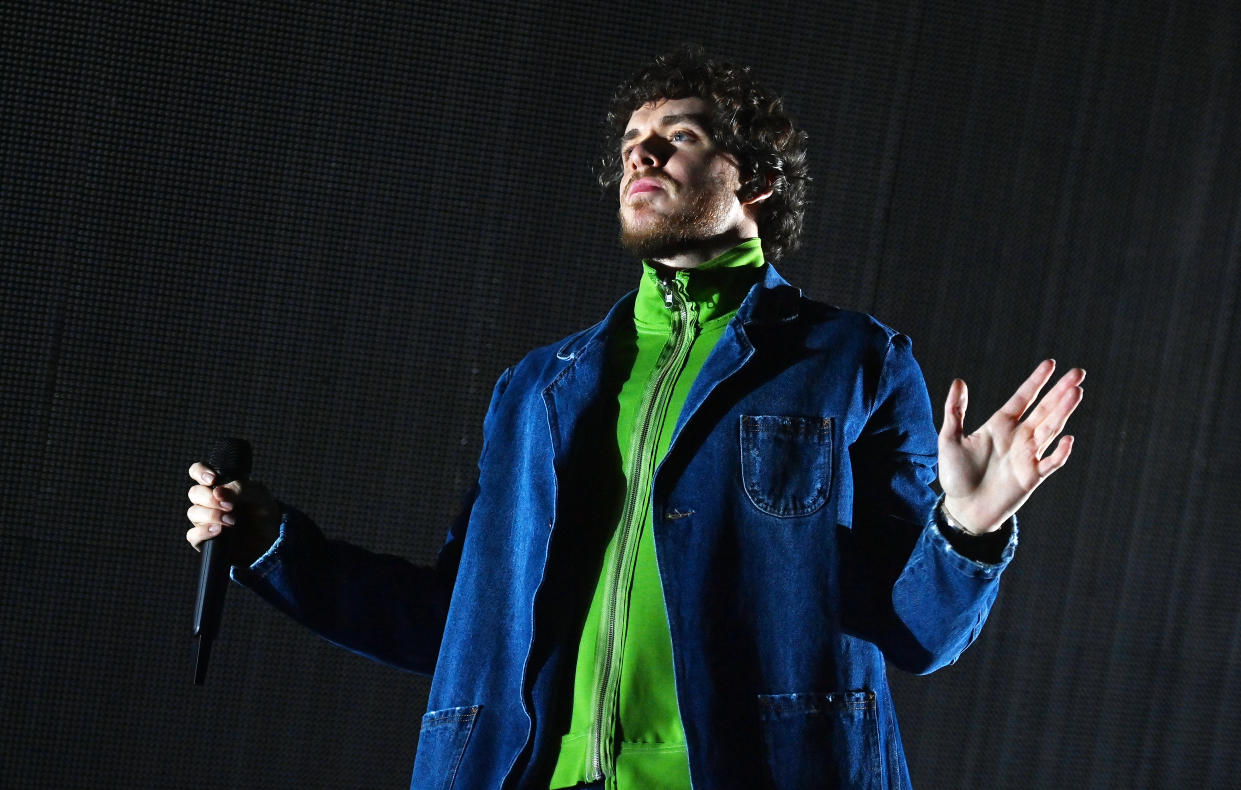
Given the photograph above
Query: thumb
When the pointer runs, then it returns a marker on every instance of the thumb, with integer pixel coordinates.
(954, 411)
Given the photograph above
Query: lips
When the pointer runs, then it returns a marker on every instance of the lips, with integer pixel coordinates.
(645, 185)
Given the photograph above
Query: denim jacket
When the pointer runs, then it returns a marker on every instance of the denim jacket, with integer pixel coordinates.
(798, 546)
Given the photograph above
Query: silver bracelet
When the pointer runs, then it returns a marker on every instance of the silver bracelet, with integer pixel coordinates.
(950, 520)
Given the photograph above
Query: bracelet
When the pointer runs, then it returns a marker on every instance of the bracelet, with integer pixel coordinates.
(951, 520)
(985, 547)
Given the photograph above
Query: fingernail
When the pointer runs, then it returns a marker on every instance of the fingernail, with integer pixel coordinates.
(214, 528)
(225, 505)
(208, 478)
(227, 519)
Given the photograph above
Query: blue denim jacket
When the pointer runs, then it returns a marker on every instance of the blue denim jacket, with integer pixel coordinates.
(798, 546)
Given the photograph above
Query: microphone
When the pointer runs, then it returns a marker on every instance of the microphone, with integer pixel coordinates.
(231, 460)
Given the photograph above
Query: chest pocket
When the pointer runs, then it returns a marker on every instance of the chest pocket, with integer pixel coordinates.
(786, 463)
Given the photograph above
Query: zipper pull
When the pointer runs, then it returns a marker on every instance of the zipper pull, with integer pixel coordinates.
(672, 288)
(666, 290)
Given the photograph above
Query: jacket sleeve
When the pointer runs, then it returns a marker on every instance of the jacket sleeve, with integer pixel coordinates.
(378, 605)
(913, 587)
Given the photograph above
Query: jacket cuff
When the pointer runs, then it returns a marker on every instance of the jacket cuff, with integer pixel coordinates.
(993, 550)
(296, 531)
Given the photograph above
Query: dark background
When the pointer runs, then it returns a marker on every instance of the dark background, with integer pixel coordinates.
(329, 226)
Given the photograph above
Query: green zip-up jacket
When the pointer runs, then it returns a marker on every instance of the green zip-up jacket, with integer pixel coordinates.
(625, 723)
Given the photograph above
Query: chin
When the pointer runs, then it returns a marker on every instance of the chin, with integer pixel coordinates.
(655, 243)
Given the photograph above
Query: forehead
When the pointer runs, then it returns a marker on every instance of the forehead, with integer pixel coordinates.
(663, 111)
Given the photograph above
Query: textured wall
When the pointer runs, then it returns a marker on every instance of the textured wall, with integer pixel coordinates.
(329, 230)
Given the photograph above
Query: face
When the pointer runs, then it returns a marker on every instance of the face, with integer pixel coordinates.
(678, 193)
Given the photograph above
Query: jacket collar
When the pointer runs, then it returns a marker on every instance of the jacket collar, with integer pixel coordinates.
(772, 300)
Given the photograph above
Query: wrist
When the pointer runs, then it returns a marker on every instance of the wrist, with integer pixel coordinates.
(989, 548)
(967, 523)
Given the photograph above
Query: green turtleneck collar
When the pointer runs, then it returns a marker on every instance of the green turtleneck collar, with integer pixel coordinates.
(716, 288)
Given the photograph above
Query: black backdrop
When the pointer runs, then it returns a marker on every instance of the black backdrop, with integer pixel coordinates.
(328, 227)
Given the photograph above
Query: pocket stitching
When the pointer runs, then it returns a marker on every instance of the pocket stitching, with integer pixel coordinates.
(436, 719)
(749, 429)
(775, 709)
(814, 702)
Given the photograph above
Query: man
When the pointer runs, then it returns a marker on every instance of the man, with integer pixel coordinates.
(701, 525)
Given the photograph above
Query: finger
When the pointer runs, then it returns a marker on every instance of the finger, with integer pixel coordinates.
(201, 516)
(201, 473)
(228, 494)
(197, 535)
(1069, 381)
(1049, 419)
(1028, 391)
(954, 411)
(1056, 460)
(213, 498)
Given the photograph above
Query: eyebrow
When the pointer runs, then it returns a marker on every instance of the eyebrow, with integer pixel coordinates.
(698, 119)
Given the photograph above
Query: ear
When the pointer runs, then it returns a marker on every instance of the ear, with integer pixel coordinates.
(758, 198)
(759, 193)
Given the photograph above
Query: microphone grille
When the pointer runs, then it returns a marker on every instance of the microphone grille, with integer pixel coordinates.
(231, 459)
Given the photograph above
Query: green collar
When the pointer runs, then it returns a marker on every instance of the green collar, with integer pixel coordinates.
(715, 288)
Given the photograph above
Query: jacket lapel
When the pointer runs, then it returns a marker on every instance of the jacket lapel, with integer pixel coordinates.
(580, 381)
(770, 301)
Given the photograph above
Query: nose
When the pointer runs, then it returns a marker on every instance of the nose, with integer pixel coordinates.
(647, 152)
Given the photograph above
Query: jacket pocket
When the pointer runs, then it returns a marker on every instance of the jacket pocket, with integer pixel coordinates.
(822, 740)
(441, 743)
(786, 463)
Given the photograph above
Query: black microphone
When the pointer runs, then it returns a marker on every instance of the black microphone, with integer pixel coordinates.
(231, 460)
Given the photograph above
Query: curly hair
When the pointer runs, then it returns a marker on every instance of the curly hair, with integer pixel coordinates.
(748, 122)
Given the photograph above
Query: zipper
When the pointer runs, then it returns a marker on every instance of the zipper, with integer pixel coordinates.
(651, 413)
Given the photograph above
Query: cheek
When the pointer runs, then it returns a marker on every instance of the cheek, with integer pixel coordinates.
(706, 176)
(726, 174)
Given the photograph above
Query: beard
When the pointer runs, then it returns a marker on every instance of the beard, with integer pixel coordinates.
(696, 219)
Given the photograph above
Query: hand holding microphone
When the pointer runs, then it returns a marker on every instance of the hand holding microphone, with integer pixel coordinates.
(234, 523)
(216, 507)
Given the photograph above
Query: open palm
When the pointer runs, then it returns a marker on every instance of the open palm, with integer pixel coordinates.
(988, 474)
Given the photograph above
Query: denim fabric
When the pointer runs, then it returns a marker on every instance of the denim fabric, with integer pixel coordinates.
(786, 463)
(797, 541)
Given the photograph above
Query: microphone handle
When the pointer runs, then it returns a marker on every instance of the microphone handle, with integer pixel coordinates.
(231, 460)
(209, 608)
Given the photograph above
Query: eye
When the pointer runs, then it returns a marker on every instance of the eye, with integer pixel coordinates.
(681, 136)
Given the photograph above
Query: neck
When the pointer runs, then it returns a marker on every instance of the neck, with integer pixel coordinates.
(705, 251)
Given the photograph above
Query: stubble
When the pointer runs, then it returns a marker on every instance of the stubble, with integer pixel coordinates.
(698, 219)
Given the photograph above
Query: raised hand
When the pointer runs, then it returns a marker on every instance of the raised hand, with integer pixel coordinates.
(991, 472)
